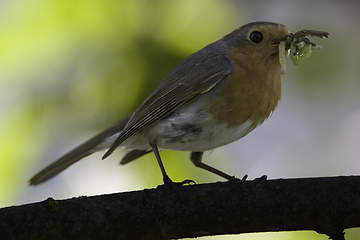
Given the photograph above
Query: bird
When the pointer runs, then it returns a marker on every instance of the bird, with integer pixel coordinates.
(214, 97)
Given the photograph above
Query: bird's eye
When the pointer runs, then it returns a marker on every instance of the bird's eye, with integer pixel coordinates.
(256, 37)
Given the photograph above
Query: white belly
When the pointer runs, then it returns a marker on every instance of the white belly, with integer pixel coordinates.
(189, 128)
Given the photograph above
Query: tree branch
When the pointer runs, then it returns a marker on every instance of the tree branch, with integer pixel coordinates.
(326, 205)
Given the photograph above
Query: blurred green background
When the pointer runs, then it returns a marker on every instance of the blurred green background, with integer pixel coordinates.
(69, 69)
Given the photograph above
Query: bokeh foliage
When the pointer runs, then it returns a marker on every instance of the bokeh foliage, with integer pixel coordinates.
(71, 67)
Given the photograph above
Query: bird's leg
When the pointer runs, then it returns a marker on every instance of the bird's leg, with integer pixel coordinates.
(196, 159)
(167, 181)
(166, 178)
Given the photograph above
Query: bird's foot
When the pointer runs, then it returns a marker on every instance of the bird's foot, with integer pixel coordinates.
(171, 187)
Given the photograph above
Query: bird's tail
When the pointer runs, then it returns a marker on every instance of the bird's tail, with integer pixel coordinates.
(78, 153)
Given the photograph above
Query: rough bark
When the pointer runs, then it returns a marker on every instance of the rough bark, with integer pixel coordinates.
(326, 205)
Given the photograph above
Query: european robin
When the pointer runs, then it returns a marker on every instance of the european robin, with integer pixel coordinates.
(214, 97)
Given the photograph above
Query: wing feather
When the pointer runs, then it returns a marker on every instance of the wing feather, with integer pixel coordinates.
(164, 101)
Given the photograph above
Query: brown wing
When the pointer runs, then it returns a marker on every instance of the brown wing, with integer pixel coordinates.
(167, 98)
(76, 154)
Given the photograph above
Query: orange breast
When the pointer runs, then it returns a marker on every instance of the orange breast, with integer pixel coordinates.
(252, 92)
